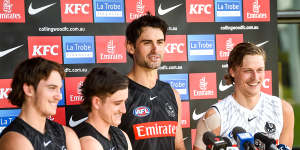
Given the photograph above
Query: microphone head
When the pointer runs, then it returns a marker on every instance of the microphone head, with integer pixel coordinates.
(282, 147)
(264, 138)
(227, 140)
(208, 138)
(236, 131)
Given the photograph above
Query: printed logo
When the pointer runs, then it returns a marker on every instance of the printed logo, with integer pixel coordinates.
(200, 11)
(193, 135)
(203, 85)
(110, 49)
(262, 43)
(223, 87)
(152, 98)
(167, 10)
(74, 123)
(76, 11)
(225, 43)
(60, 116)
(185, 114)
(138, 8)
(256, 11)
(5, 52)
(175, 49)
(267, 83)
(154, 129)
(46, 143)
(197, 116)
(109, 11)
(201, 47)
(178, 82)
(250, 119)
(33, 11)
(170, 110)
(228, 10)
(7, 116)
(78, 49)
(5, 88)
(62, 102)
(73, 92)
(270, 128)
(12, 11)
(141, 111)
(48, 47)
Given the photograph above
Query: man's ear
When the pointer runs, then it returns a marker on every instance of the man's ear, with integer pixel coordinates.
(28, 89)
(96, 102)
(130, 47)
(231, 72)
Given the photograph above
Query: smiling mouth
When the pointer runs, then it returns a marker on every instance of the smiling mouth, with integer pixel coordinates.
(254, 84)
(154, 57)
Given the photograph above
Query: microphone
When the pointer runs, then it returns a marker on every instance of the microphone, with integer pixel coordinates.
(263, 142)
(283, 147)
(213, 142)
(227, 140)
(245, 140)
(229, 144)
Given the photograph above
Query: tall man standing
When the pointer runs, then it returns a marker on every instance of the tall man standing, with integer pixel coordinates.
(247, 106)
(153, 118)
(36, 90)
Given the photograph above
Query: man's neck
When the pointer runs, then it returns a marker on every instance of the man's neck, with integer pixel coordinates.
(142, 76)
(246, 101)
(98, 123)
(34, 119)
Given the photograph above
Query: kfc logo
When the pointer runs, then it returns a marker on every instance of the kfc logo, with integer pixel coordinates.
(138, 8)
(12, 11)
(175, 49)
(5, 88)
(76, 11)
(225, 43)
(73, 91)
(200, 11)
(203, 85)
(267, 83)
(48, 47)
(110, 49)
(256, 10)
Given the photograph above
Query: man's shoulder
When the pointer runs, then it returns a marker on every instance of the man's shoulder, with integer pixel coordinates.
(14, 140)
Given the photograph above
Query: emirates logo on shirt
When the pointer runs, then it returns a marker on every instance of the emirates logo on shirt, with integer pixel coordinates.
(155, 129)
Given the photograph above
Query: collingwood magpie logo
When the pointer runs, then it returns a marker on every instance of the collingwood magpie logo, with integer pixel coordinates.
(270, 127)
(170, 109)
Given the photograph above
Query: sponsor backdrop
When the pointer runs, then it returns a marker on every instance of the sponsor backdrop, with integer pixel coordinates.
(83, 34)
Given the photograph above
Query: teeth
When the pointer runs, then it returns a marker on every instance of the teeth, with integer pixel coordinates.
(253, 84)
(154, 57)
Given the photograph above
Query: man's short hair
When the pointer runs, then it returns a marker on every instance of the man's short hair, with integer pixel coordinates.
(31, 72)
(134, 29)
(101, 82)
(237, 55)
